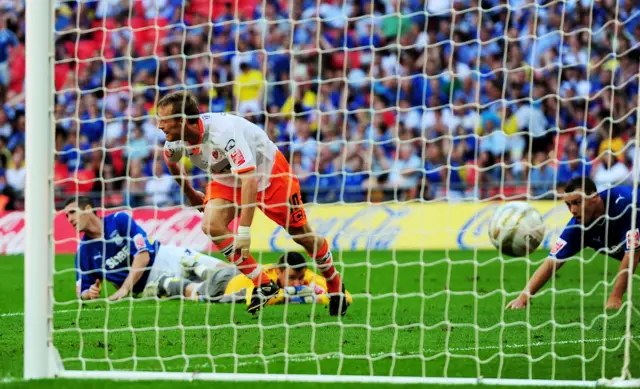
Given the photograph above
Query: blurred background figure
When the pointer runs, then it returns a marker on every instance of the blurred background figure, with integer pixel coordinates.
(453, 114)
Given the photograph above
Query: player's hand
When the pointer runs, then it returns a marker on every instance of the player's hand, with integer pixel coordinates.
(196, 199)
(119, 295)
(518, 303)
(243, 240)
(614, 303)
(94, 291)
(173, 151)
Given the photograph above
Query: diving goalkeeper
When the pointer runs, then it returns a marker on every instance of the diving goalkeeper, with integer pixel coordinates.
(297, 283)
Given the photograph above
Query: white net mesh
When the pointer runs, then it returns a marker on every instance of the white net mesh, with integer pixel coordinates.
(403, 121)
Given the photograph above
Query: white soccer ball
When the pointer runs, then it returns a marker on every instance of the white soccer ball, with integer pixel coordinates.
(516, 229)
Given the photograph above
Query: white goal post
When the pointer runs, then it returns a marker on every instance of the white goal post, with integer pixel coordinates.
(42, 358)
(39, 361)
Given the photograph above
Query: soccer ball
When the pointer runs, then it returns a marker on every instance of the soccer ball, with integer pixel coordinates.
(516, 229)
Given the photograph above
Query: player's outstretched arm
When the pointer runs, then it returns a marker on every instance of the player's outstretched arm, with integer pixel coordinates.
(140, 262)
(620, 286)
(537, 281)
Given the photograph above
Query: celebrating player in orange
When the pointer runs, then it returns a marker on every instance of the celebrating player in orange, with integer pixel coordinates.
(247, 169)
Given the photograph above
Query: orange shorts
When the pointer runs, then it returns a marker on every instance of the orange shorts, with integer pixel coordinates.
(280, 202)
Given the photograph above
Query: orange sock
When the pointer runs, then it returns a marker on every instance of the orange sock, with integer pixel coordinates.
(247, 266)
(324, 260)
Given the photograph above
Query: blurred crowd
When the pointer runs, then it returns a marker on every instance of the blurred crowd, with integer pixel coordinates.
(369, 99)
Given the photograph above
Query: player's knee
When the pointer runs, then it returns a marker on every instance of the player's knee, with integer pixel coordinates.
(217, 216)
(214, 229)
(304, 241)
(306, 238)
(301, 231)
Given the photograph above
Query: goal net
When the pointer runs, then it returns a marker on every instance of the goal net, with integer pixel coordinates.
(407, 124)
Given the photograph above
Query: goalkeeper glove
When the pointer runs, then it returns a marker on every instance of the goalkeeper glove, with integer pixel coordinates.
(299, 294)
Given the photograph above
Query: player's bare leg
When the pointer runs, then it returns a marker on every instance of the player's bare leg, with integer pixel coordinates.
(318, 248)
(218, 213)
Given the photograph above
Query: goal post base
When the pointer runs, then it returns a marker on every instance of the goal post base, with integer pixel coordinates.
(55, 361)
(177, 376)
(52, 369)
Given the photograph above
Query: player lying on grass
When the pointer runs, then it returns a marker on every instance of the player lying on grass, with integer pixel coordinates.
(601, 221)
(117, 249)
(297, 284)
(247, 169)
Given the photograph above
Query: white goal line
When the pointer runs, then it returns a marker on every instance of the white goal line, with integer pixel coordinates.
(315, 378)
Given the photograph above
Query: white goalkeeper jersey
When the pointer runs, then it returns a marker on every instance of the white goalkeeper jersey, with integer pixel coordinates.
(228, 145)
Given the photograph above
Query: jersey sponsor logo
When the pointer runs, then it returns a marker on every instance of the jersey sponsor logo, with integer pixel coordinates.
(139, 241)
(230, 144)
(117, 259)
(633, 238)
(237, 157)
(559, 245)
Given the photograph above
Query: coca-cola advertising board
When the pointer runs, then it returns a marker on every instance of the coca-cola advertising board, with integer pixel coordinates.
(180, 227)
(435, 226)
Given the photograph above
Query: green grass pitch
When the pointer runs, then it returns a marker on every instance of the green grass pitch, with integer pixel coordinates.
(396, 326)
